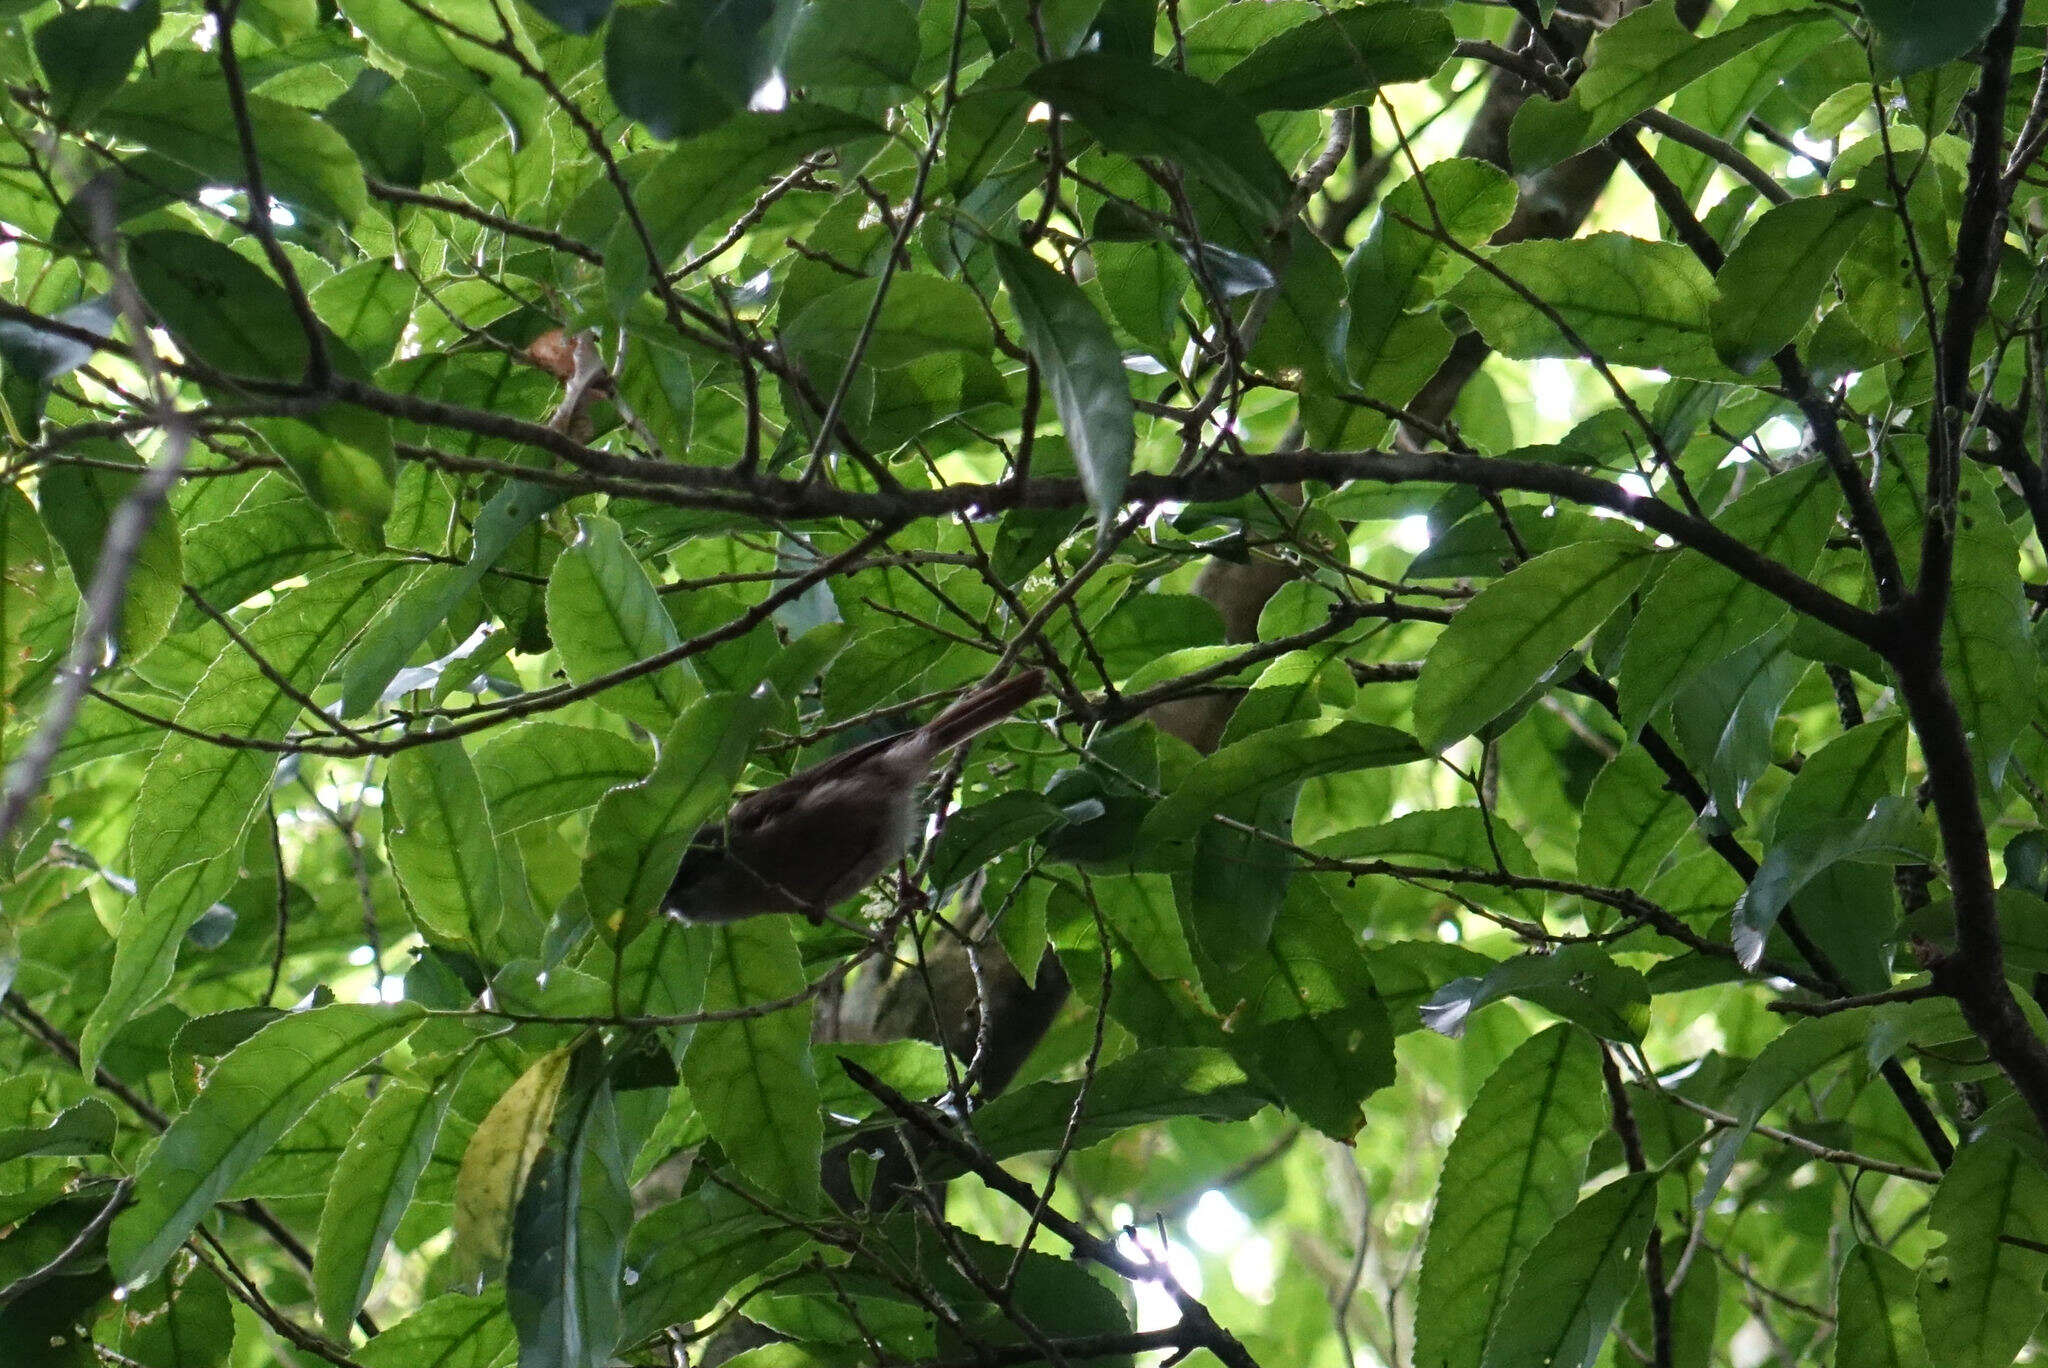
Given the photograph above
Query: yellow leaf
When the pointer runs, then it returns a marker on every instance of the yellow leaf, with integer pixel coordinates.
(495, 1165)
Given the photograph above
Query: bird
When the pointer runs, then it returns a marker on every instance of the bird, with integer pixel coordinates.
(815, 839)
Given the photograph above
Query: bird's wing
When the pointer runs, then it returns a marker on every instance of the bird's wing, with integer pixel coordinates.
(762, 806)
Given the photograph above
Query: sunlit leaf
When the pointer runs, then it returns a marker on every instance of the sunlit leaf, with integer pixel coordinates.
(1643, 58)
(640, 831)
(306, 164)
(373, 1184)
(500, 1155)
(197, 799)
(252, 1096)
(1625, 299)
(442, 845)
(752, 1076)
(604, 616)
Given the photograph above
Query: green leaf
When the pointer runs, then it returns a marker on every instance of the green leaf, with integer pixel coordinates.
(32, 584)
(540, 771)
(1452, 839)
(1630, 822)
(1510, 1175)
(1980, 1296)
(87, 53)
(388, 124)
(1144, 921)
(182, 1320)
(1339, 55)
(1724, 719)
(604, 615)
(231, 559)
(306, 163)
(343, 458)
(569, 1237)
(1271, 759)
(1143, 110)
(752, 1076)
(197, 800)
(1795, 1057)
(975, 836)
(1722, 101)
(686, 191)
(920, 315)
(1991, 660)
(1777, 276)
(856, 44)
(500, 1154)
(686, 1256)
(1305, 1017)
(1056, 1296)
(412, 38)
(1877, 1324)
(439, 837)
(1574, 1282)
(1397, 270)
(1142, 285)
(1078, 356)
(1647, 55)
(1699, 612)
(1892, 833)
(368, 306)
(1512, 632)
(83, 1128)
(1579, 983)
(373, 1184)
(103, 729)
(1241, 877)
(452, 1331)
(1305, 329)
(431, 599)
(1242, 866)
(36, 354)
(654, 70)
(1629, 301)
(250, 1099)
(1151, 1085)
(224, 309)
(1847, 908)
(78, 502)
(639, 832)
(1913, 36)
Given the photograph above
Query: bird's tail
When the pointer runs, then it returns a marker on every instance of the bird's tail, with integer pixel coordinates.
(982, 709)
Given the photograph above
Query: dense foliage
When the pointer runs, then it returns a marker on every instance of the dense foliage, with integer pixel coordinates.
(1534, 850)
